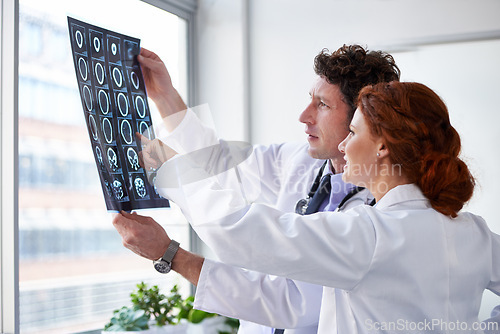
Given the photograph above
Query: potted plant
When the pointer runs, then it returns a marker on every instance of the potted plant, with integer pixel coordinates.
(157, 306)
(154, 312)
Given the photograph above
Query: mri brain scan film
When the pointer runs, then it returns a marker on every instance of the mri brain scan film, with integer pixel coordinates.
(115, 107)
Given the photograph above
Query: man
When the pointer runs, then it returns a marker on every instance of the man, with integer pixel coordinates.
(283, 174)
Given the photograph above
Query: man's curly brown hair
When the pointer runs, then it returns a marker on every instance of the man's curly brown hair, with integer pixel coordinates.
(352, 67)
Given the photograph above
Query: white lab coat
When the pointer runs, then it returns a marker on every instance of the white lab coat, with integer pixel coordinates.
(400, 264)
(281, 303)
(278, 175)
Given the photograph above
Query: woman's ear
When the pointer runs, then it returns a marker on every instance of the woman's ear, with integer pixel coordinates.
(382, 151)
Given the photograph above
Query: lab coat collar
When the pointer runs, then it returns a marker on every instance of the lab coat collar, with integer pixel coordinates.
(403, 193)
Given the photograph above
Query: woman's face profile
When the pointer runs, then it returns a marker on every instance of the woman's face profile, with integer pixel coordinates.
(360, 149)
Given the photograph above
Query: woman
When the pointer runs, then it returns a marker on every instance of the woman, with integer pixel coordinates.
(412, 263)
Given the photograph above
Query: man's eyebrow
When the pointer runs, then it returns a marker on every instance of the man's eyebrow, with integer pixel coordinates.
(324, 98)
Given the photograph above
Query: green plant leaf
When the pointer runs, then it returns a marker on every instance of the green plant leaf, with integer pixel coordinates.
(232, 322)
(128, 319)
(197, 316)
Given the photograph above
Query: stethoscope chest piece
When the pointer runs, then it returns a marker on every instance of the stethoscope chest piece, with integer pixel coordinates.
(301, 206)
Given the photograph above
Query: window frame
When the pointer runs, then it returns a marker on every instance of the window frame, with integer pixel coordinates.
(9, 256)
(9, 151)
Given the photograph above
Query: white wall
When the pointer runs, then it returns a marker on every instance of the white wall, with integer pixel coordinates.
(281, 39)
(286, 35)
(221, 61)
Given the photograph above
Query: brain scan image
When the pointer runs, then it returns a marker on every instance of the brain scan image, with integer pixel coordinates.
(145, 130)
(87, 97)
(126, 131)
(93, 127)
(134, 79)
(140, 106)
(79, 38)
(108, 187)
(131, 49)
(107, 129)
(103, 99)
(140, 187)
(122, 104)
(83, 68)
(118, 189)
(99, 73)
(112, 159)
(154, 186)
(98, 154)
(97, 44)
(115, 106)
(117, 77)
(133, 159)
(114, 48)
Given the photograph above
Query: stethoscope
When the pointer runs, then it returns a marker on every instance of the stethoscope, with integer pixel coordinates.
(302, 204)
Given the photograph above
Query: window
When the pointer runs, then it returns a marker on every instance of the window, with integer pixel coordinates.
(73, 270)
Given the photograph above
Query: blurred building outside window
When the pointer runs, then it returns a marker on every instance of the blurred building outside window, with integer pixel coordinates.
(74, 270)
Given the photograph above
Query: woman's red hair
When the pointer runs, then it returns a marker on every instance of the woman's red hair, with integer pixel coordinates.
(415, 125)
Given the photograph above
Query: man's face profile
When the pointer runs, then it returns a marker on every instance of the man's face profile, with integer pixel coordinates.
(326, 122)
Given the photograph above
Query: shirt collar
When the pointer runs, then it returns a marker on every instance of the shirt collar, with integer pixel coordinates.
(328, 168)
(339, 187)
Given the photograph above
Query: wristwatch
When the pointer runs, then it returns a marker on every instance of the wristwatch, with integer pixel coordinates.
(164, 264)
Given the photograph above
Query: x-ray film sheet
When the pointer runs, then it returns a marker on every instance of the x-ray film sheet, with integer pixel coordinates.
(115, 107)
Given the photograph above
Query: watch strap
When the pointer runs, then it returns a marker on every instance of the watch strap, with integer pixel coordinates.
(172, 249)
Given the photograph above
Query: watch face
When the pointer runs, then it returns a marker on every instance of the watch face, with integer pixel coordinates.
(162, 266)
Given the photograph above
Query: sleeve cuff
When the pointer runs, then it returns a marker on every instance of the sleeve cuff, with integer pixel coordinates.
(200, 295)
